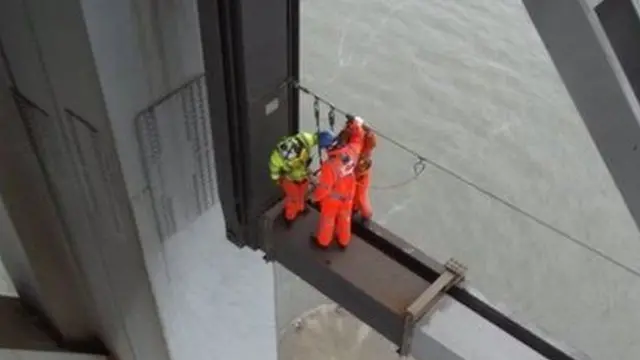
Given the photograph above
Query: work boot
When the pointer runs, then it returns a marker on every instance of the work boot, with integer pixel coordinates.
(340, 245)
(287, 222)
(316, 243)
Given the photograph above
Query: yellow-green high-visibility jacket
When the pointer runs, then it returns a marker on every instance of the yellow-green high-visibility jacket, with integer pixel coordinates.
(299, 148)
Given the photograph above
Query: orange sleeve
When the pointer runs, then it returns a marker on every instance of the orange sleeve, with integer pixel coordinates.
(325, 182)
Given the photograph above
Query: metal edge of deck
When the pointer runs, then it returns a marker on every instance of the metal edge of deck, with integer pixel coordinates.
(378, 300)
(428, 268)
(370, 311)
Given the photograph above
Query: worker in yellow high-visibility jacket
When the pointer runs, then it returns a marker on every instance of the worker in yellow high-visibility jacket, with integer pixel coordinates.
(289, 168)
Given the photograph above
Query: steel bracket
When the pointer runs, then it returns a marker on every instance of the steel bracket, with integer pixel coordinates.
(453, 273)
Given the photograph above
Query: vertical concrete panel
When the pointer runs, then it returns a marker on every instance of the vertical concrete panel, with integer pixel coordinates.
(220, 299)
(28, 71)
(215, 300)
(23, 55)
(48, 280)
(31, 79)
(91, 190)
(128, 49)
(117, 47)
(158, 50)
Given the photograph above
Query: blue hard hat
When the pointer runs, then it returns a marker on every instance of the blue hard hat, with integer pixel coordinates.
(325, 139)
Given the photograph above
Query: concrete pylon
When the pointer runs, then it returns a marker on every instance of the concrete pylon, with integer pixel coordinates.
(76, 253)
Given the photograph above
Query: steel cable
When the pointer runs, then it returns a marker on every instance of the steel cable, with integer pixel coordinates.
(420, 165)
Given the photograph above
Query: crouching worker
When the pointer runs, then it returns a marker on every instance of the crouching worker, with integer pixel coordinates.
(336, 186)
(289, 168)
(361, 203)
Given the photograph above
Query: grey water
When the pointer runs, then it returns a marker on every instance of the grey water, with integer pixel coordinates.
(469, 85)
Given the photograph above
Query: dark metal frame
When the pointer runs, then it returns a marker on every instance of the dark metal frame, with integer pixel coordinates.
(251, 55)
(216, 40)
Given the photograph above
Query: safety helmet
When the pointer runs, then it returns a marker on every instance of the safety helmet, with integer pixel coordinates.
(325, 139)
(290, 148)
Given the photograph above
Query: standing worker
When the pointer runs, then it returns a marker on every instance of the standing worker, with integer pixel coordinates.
(336, 185)
(361, 203)
(289, 168)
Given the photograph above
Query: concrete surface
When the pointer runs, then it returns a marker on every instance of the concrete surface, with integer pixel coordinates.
(6, 286)
(215, 301)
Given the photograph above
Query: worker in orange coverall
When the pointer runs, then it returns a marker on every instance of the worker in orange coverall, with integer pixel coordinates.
(336, 185)
(361, 203)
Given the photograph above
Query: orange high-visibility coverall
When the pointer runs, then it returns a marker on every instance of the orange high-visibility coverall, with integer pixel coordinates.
(295, 193)
(335, 191)
(361, 201)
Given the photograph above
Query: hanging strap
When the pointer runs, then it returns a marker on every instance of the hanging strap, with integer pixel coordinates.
(316, 114)
(332, 118)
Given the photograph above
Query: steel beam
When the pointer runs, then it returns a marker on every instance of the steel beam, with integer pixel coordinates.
(463, 309)
(591, 72)
(379, 276)
(362, 279)
(456, 332)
